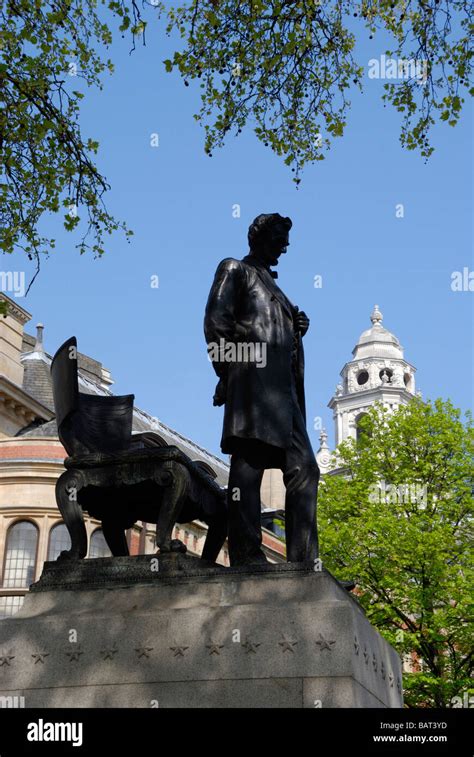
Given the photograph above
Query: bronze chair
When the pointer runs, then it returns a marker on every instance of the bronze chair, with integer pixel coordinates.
(120, 478)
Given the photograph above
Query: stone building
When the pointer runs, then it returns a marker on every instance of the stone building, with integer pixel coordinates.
(31, 460)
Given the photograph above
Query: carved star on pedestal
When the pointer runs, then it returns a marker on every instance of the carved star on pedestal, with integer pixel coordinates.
(251, 646)
(74, 654)
(143, 651)
(287, 645)
(356, 645)
(5, 659)
(108, 654)
(390, 679)
(39, 657)
(366, 656)
(382, 670)
(179, 650)
(323, 643)
(214, 647)
(374, 662)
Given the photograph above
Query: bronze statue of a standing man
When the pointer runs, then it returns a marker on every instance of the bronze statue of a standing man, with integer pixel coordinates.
(254, 338)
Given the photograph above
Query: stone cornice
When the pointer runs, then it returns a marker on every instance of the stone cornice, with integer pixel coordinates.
(31, 511)
(15, 310)
(364, 395)
(21, 402)
(19, 441)
(36, 514)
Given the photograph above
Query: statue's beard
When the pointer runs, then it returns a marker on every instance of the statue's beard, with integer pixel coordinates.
(270, 258)
(274, 257)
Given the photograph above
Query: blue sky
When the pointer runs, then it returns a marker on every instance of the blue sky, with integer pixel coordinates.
(179, 203)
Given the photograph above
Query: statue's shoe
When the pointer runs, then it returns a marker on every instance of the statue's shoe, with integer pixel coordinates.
(175, 546)
(347, 585)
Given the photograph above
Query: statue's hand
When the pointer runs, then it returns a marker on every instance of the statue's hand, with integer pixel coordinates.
(302, 322)
(220, 393)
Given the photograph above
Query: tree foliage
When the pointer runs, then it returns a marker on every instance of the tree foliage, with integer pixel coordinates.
(282, 67)
(288, 67)
(398, 521)
(48, 165)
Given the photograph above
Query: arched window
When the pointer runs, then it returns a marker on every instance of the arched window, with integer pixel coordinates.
(98, 546)
(20, 555)
(59, 540)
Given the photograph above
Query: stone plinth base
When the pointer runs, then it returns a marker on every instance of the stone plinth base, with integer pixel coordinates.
(189, 635)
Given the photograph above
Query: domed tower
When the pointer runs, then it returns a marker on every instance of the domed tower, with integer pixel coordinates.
(378, 372)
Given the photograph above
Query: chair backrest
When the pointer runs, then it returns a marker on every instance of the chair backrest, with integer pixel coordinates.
(64, 378)
(87, 423)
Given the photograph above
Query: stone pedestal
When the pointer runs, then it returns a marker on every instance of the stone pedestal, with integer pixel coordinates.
(178, 633)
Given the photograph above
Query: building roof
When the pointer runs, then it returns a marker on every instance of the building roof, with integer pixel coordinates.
(37, 378)
(377, 341)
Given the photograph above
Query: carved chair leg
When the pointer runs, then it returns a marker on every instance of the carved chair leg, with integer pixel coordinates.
(67, 488)
(216, 536)
(115, 537)
(174, 479)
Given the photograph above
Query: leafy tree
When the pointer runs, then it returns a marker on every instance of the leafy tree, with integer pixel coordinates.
(283, 67)
(398, 520)
(45, 48)
(289, 66)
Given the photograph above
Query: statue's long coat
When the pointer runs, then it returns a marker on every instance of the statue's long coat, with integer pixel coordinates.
(246, 305)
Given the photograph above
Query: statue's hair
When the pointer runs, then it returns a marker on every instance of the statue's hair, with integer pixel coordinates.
(262, 224)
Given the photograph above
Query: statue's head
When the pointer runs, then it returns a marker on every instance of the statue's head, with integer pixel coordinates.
(268, 237)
